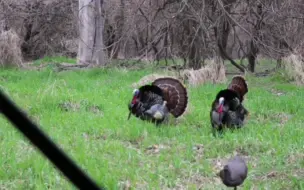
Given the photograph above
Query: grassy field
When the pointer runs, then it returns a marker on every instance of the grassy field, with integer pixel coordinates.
(85, 112)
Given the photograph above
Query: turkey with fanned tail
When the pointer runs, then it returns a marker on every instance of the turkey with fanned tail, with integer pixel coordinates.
(156, 101)
(227, 108)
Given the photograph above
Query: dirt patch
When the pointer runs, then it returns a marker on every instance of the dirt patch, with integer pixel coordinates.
(273, 174)
(3, 79)
(87, 136)
(198, 151)
(71, 106)
(24, 151)
(251, 148)
(155, 149)
(281, 175)
(125, 185)
(137, 142)
(198, 180)
(295, 158)
(94, 109)
(281, 118)
(277, 93)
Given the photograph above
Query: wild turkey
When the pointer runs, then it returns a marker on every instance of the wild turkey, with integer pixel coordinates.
(227, 108)
(154, 102)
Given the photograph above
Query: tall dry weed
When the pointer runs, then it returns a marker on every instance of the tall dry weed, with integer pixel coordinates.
(294, 67)
(149, 79)
(213, 72)
(10, 49)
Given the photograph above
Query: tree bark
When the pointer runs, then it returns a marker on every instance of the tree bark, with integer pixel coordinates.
(194, 57)
(120, 20)
(222, 40)
(222, 32)
(91, 23)
(253, 51)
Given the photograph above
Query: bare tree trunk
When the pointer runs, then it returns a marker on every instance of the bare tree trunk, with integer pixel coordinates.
(253, 52)
(252, 58)
(194, 57)
(91, 23)
(222, 31)
(119, 30)
(222, 40)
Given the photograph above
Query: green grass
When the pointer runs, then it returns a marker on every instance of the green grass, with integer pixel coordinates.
(57, 59)
(85, 112)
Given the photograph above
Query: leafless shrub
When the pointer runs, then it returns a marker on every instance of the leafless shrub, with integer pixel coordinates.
(294, 67)
(43, 26)
(70, 46)
(197, 30)
(213, 72)
(10, 52)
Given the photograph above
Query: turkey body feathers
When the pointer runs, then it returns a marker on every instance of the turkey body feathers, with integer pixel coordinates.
(236, 118)
(148, 97)
(158, 112)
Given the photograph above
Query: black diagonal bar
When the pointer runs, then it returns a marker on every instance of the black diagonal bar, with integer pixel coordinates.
(45, 145)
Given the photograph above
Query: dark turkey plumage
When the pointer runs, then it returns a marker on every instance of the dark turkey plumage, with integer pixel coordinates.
(155, 102)
(227, 109)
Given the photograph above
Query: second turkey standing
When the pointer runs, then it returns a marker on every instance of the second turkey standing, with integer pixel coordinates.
(227, 109)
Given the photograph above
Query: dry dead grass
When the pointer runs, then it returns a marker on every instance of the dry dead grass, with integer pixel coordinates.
(294, 66)
(148, 79)
(10, 51)
(213, 72)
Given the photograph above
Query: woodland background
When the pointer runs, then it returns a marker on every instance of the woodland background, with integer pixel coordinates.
(190, 30)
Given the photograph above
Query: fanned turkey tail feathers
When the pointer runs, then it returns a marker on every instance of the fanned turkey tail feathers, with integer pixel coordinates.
(175, 93)
(238, 84)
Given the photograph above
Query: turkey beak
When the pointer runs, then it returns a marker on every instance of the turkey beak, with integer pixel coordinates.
(132, 105)
(129, 115)
(130, 108)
